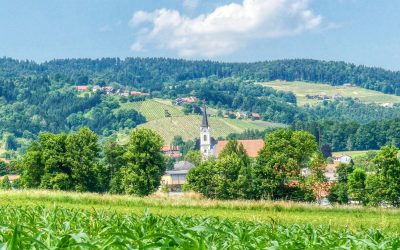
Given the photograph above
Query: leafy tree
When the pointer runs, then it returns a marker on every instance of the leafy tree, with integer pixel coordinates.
(3, 168)
(194, 157)
(388, 170)
(339, 193)
(343, 171)
(145, 163)
(178, 141)
(10, 142)
(374, 189)
(356, 183)
(82, 155)
(326, 150)
(228, 177)
(5, 183)
(114, 160)
(200, 181)
(285, 153)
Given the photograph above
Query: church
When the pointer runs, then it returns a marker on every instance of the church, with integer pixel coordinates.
(209, 147)
(212, 148)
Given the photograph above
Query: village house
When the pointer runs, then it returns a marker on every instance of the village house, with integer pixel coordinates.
(134, 92)
(96, 88)
(107, 89)
(255, 116)
(341, 158)
(185, 100)
(241, 115)
(171, 151)
(175, 178)
(82, 88)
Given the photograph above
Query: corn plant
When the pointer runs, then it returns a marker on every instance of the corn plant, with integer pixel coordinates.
(60, 228)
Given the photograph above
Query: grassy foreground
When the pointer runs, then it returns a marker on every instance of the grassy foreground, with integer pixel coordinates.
(285, 213)
(61, 220)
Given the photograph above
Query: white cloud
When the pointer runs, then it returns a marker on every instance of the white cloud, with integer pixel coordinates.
(226, 29)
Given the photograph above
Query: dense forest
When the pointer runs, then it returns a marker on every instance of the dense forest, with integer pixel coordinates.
(38, 98)
(152, 73)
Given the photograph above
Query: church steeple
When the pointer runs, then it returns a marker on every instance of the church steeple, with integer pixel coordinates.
(205, 136)
(204, 123)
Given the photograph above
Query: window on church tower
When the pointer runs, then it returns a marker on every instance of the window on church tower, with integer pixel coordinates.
(205, 137)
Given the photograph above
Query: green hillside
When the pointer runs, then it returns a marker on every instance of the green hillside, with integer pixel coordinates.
(186, 126)
(154, 109)
(301, 89)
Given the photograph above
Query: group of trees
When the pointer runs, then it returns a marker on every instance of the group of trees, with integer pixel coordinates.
(274, 174)
(151, 73)
(379, 186)
(350, 135)
(76, 162)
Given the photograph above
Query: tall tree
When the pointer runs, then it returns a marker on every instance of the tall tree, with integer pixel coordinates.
(82, 155)
(356, 183)
(145, 163)
(114, 160)
(388, 168)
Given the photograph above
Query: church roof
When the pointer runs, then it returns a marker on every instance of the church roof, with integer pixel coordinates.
(252, 147)
(204, 123)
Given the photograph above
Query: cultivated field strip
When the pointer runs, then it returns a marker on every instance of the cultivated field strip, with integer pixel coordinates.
(61, 228)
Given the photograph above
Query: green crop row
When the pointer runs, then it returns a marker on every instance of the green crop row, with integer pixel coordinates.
(60, 228)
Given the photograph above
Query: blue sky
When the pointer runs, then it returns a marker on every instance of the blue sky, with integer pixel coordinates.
(358, 31)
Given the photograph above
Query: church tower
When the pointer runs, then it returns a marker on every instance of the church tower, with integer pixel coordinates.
(205, 136)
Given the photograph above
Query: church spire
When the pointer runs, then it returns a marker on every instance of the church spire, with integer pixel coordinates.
(204, 123)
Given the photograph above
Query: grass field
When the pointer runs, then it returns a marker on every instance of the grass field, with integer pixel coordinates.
(61, 220)
(186, 126)
(301, 89)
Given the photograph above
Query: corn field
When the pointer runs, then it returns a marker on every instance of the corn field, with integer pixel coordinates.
(61, 228)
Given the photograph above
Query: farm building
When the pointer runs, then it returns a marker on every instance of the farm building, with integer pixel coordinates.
(171, 151)
(82, 88)
(175, 178)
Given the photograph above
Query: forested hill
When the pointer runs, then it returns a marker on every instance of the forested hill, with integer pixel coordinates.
(151, 73)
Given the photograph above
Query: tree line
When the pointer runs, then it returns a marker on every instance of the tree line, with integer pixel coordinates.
(151, 73)
(347, 135)
(77, 162)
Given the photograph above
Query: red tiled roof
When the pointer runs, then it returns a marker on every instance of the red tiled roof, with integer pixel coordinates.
(252, 147)
(82, 88)
(138, 93)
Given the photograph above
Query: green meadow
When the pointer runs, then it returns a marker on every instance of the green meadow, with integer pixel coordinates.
(301, 89)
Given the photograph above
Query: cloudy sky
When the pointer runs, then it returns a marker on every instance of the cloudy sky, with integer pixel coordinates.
(359, 31)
